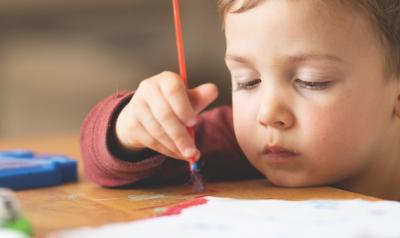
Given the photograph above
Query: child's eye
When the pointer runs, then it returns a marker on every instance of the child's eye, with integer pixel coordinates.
(313, 85)
(248, 84)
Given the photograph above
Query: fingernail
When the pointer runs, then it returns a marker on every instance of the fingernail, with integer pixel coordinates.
(191, 122)
(188, 152)
(194, 157)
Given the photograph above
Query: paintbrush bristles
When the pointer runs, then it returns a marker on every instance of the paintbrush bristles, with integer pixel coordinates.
(197, 179)
(198, 182)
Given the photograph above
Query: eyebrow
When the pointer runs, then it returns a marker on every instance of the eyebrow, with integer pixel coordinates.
(293, 58)
(237, 58)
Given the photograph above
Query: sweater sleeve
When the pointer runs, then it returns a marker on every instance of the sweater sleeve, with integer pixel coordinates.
(100, 163)
(106, 166)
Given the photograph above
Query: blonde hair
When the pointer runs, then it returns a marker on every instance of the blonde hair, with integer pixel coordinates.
(384, 14)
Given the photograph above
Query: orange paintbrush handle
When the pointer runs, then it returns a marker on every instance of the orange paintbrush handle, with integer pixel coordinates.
(181, 53)
(179, 40)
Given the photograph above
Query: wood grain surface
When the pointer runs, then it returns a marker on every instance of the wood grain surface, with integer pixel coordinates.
(87, 204)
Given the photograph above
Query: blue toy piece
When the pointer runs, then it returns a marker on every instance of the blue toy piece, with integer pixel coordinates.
(20, 169)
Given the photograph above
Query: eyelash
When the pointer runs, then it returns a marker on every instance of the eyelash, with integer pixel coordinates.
(313, 85)
(304, 84)
(247, 85)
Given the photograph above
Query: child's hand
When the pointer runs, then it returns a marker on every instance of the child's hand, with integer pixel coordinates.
(158, 114)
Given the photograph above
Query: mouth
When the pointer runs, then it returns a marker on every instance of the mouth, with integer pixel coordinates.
(278, 155)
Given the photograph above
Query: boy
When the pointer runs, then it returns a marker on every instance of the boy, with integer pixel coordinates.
(316, 101)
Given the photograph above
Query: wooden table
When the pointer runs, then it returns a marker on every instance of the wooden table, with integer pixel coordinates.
(86, 204)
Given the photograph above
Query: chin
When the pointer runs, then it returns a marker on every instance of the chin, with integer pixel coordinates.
(292, 180)
(288, 183)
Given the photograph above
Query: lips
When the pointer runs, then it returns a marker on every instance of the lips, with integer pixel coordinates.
(278, 154)
(276, 149)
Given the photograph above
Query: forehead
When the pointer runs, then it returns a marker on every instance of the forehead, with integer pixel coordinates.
(288, 25)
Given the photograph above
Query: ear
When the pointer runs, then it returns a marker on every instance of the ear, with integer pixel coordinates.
(397, 102)
(397, 107)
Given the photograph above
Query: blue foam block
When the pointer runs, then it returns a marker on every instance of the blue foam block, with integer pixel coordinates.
(20, 169)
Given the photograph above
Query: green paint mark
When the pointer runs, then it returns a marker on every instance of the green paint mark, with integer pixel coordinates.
(21, 224)
(145, 197)
(160, 209)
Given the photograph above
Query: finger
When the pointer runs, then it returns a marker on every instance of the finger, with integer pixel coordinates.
(132, 134)
(201, 96)
(127, 123)
(150, 142)
(174, 90)
(173, 127)
(154, 128)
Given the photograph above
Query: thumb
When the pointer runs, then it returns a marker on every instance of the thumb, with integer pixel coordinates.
(201, 96)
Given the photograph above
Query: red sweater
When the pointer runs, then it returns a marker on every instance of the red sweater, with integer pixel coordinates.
(107, 165)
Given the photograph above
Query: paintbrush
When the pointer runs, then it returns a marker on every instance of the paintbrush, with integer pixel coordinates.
(197, 179)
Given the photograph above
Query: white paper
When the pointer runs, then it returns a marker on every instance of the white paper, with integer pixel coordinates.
(224, 217)
(8, 233)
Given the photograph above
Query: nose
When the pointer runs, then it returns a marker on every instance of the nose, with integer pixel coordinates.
(275, 111)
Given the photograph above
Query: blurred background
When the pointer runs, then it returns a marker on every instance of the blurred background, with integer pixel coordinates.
(59, 57)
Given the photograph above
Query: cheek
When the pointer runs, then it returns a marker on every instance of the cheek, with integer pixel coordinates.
(322, 130)
(334, 136)
(329, 142)
(245, 120)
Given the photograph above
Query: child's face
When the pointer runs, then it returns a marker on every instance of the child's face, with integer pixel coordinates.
(311, 81)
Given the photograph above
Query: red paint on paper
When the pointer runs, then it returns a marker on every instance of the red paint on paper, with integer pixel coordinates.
(177, 209)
